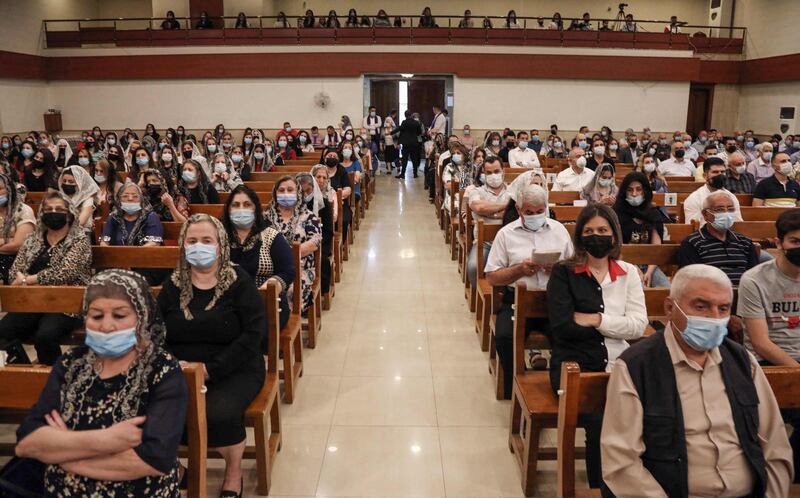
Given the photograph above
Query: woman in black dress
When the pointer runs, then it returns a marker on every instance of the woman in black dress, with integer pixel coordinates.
(339, 179)
(261, 251)
(109, 421)
(215, 316)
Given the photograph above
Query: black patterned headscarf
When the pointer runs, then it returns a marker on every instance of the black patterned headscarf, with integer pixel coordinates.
(150, 333)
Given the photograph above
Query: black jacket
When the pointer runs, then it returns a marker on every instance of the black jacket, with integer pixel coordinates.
(409, 133)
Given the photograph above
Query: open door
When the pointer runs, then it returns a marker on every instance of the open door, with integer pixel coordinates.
(384, 95)
(422, 95)
(701, 98)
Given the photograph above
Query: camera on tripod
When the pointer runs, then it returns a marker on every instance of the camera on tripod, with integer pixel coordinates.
(622, 7)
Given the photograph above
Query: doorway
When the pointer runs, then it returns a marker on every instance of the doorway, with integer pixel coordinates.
(414, 93)
(701, 99)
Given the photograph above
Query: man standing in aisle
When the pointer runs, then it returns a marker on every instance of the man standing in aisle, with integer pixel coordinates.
(409, 134)
(439, 123)
(372, 123)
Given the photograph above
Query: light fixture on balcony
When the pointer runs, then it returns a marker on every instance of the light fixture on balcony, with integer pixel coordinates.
(407, 75)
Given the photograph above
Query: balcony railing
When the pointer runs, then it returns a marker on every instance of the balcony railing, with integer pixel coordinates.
(270, 30)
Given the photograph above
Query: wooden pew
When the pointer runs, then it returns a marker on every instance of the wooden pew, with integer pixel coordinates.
(676, 231)
(687, 187)
(69, 299)
(483, 291)
(264, 196)
(534, 407)
(763, 213)
(20, 387)
(585, 393)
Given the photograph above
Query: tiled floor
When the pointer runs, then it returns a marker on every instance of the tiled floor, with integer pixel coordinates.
(396, 399)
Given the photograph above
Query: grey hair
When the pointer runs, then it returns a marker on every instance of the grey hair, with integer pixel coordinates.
(685, 276)
(738, 154)
(713, 195)
(532, 194)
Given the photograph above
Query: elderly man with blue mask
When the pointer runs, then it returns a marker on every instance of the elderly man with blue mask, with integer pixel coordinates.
(690, 412)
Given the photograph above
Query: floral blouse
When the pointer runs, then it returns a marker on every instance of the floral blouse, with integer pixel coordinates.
(306, 229)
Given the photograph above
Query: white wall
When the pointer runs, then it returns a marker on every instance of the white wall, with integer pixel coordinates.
(772, 27)
(238, 103)
(21, 21)
(759, 105)
(517, 103)
(22, 104)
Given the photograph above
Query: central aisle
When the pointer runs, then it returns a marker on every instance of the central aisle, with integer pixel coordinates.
(396, 400)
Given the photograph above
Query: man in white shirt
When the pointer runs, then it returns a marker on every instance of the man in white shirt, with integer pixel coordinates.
(439, 123)
(714, 173)
(488, 204)
(691, 152)
(510, 261)
(576, 177)
(372, 122)
(702, 140)
(521, 156)
(677, 164)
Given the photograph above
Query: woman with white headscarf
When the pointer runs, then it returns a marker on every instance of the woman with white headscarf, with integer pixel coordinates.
(63, 153)
(77, 184)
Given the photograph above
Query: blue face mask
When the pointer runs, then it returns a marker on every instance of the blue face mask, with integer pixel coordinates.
(113, 344)
(27, 153)
(188, 176)
(635, 201)
(483, 178)
(308, 198)
(3, 200)
(582, 144)
(243, 218)
(99, 178)
(201, 255)
(287, 201)
(704, 334)
(83, 161)
(534, 221)
(131, 207)
(142, 161)
(723, 221)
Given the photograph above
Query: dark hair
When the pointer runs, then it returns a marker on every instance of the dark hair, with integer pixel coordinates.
(788, 221)
(712, 161)
(587, 214)
(259, 223)
(327, 151)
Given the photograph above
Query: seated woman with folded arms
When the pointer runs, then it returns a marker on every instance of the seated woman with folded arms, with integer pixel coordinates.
(110, 418)
(259, 250)
(56, 253)
(18, 221)
(216, 316)
(193, 185)
(77, 184)
(595, 305)
(328, 216)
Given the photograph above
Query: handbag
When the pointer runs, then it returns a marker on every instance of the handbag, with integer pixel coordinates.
(22, 478)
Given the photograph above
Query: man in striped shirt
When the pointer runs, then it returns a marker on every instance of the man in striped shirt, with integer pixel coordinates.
(715, 243)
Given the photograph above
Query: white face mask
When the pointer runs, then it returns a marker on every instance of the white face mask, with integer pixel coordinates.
(166, 157)
(786, 168)
(494, 180)
(649, 167)
(580, 162)
(220, 168)
(599, 150)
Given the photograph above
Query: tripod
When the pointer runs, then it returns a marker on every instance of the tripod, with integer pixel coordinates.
(619, 21)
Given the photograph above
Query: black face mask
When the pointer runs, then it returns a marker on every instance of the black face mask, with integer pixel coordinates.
(598, 245)
(113, 157)
(154, 191)
(730, 149)
(37, 164)
(188, 153)
(54, 221)
(793, 255)
(717, 182)
(331, 162)
(90, 144)
(680, 153)
(69, 189)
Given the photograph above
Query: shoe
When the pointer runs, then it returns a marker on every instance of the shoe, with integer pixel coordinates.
(398, 176)
(231, 494)
(537, 361)
(184, 481)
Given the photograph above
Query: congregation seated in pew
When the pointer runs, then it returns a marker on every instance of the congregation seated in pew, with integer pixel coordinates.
(56, 253)
(18, 222)
(260, 250)
(641, 222)
(288, 214)
(110, 418)
(767, 303)
(511, 260)
(778, 190)
(714, 174)
(715, 243)
(689, 412)
(577, 176)
(215, 316)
